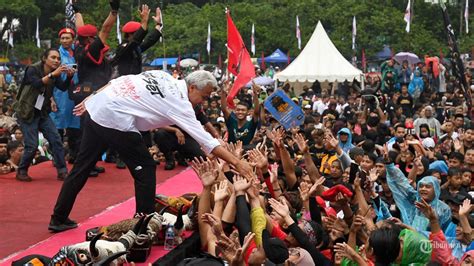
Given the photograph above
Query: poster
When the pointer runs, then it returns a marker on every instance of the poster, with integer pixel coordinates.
(284, 110)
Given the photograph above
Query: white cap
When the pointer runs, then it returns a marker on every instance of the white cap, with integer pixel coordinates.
(220, 119)
(428, 143)
(307, 106)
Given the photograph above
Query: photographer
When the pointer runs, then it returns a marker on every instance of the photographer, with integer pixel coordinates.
(33, 108)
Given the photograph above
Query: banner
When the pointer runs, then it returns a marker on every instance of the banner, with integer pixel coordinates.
(70, 18)
(119, 34)
(284, 110)
(298, 32)
(239, 62)
(456, 61)
(252, 40)
(208, 47)
(407, 17)
(354, 33)
(37, 36)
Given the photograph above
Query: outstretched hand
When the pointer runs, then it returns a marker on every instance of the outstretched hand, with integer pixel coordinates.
(157, 17)
(426, 209)
(206, 170)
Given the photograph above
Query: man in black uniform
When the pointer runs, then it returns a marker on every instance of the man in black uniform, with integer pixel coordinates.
(93, 69)
(172, 138)
(128, 57)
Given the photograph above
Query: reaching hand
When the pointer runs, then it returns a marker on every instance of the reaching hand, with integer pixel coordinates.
(256, 89)
(231, 250)
(215, 223)
(274, 173)
(301, 142)
(331, 140)
(341, 200)
(465, 208)
(157, 17)
(241, 184)
(426, 209)
(345, 250)
(317, 187)
(244, 169)
(458, 144)
(206, 170)
(236, 149)
(144, 13)
(304, 191)
(258, 158)
(357, 223)
(279, 207)
(221, 191)
(373, 175)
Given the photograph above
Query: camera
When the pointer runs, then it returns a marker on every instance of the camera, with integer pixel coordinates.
(73, 66)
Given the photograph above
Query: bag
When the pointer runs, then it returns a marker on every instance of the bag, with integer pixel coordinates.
(141, 249)
(24, 107)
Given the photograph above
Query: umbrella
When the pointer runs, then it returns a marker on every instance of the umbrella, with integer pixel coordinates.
(410, 57)
(262, 81)
(188, 62)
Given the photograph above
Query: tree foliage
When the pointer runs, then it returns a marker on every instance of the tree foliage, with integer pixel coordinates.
(379, 23)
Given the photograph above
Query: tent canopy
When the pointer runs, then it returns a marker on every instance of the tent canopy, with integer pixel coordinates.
(159, 61)
(320, 60)
(276, 57)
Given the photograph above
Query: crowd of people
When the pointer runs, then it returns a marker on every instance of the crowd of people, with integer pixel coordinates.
(377, 175)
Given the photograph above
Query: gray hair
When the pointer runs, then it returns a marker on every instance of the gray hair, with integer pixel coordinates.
(201, 79)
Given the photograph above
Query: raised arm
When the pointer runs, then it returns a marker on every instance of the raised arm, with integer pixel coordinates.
(223, 93)
(308, 161)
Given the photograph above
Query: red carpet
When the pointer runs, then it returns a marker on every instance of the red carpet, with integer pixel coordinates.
(25, 208)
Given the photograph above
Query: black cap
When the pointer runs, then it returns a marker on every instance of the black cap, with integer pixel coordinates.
(275, 249)
(456, 199)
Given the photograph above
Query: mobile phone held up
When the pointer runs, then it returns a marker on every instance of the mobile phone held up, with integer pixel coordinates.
(73, 66)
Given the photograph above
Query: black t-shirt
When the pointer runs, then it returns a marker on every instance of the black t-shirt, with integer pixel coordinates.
(406, 102)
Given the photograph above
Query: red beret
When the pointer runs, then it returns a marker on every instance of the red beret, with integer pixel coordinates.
(331, 193)
(87, 30)
(67, 30)
(131, 26)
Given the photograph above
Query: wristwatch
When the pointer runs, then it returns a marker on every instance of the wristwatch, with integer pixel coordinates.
(50, 76)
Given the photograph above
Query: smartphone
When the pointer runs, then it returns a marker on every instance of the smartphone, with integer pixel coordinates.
(353, 172)
(73, 66)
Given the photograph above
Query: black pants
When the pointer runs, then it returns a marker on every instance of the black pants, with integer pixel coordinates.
(168, 143)
(131, 149)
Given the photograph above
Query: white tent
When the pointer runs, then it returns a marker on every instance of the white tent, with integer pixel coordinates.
(320, 60)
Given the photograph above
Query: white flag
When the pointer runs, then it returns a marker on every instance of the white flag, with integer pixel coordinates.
(298, 32)
(119, 34)
(252, 40)
(466, 16)
(209, 39)
(10, 38)
(407, 17)
(38, 44)
(354, 33)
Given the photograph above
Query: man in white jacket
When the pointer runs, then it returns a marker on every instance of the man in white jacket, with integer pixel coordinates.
(116, 115)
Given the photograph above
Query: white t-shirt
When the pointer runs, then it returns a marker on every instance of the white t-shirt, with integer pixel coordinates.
(146, 101)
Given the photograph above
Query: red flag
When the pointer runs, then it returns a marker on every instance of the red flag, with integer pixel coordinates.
(220, 61)
(441, 56)
(289, 59)
(239, 62)
(262, 64)
(364, 63)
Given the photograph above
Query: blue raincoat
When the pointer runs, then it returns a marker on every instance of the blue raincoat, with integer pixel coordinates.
(416, 86)
(346, 147)
(64, 118)
(405, 196)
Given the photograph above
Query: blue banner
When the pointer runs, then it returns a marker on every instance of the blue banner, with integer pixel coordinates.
(284, 110)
